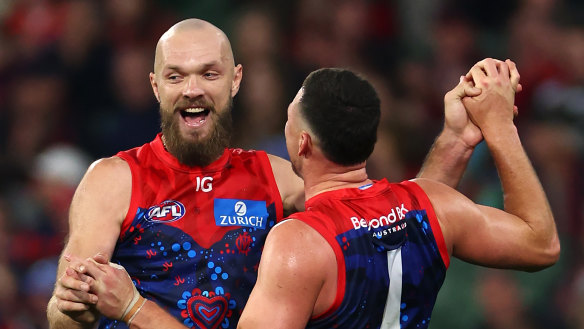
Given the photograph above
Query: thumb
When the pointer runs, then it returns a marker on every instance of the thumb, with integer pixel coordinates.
(468, 88)
(100, 258)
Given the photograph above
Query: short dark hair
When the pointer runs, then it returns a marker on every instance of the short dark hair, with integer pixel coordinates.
(342, 110)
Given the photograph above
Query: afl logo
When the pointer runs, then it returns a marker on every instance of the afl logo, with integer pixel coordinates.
(240, 208)
(166, 211)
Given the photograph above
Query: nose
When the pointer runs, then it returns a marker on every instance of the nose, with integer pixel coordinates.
(192, 88)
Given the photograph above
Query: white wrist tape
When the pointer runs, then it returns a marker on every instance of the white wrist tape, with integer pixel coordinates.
(141, 303)
(133, 303)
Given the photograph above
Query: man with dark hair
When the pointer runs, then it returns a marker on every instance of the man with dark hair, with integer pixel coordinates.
(186, 215)
(371, 254)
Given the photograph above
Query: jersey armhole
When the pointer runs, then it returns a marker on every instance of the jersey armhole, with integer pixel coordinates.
(267, 166)
(341, 275)
(134, 196)
(427, 205)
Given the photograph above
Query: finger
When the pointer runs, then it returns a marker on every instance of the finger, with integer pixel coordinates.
(71, 259)
(514, 75)
(71, 280)
(68, 288)
(515, 111)
(69, 306)
(489, 65)
(76, 296)
(76, 263)
(504, 71)
(101, 258)
(468, 88)
(93, 268)
(85, 278)
(477, 74)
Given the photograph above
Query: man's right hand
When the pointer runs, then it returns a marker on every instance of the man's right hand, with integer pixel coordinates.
(494, 106)
(110, 282)
(73, 297)
(456, 119)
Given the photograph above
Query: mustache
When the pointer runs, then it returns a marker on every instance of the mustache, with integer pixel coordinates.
(185, 104)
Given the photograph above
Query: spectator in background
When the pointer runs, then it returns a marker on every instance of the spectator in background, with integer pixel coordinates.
(133, 117)
(40, 208)
(257, 44)
(81, 38)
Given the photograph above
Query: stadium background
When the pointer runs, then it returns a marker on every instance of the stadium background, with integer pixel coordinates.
(74, 87)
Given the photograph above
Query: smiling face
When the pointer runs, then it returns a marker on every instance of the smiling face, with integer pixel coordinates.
(195, 81)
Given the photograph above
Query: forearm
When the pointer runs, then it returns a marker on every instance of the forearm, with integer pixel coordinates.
(152, 316)
(523, 193)
(59, 320)
(447, 159)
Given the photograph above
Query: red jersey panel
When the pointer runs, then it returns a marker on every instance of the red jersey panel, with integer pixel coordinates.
(193, 236)
(390, 252)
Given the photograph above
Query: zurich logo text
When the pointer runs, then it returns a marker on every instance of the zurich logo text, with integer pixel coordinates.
(247, 213)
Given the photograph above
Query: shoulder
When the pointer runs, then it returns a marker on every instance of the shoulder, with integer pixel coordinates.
(291, 186)
(441, 195)
(107, 179)
(113, 168)
(455, 212)
(298, 249)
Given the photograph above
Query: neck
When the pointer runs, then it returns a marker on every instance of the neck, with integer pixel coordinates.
(330, 176)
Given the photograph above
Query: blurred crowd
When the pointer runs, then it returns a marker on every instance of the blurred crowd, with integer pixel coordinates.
(74, 87)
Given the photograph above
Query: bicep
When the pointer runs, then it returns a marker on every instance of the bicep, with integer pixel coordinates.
(479, 234)
(98, 208)
(290, 279)
(271, 302)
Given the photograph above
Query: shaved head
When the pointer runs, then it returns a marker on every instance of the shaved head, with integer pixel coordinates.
(188, 27)
(195, 80)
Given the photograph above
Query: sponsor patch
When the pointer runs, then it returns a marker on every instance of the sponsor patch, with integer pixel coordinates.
(235, 212)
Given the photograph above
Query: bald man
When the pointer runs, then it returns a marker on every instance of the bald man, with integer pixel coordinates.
(184, 214)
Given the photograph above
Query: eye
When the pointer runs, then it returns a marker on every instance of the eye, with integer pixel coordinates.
(211, 75)
(174, 77)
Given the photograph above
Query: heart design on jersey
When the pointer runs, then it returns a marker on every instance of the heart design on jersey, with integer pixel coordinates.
(207, 312)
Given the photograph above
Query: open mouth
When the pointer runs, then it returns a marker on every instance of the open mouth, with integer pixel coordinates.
(195, 116)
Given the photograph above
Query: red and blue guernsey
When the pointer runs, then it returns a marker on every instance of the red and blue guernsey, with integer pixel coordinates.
(193, 236)
(390, 252)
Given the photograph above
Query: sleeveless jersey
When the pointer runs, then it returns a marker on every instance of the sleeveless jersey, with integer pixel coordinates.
(192, 238)
(390, 252)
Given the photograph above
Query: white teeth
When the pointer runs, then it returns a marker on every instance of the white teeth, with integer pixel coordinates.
(195, 110)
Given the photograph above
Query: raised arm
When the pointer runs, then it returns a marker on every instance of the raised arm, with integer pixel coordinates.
(99, 205)
(449, 155)
(524, 235)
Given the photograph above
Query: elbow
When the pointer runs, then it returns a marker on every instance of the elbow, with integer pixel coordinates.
(552, 253)
(548, 256)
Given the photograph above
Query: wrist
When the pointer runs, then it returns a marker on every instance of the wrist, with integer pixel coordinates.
(500, 132)
(134, 309)
(454, 141)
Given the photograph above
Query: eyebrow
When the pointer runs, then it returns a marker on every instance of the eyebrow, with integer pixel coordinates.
(203, 66)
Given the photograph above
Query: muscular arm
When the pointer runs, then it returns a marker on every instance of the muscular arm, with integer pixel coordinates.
(524, 235)
(99, 205)
(295, 279)
(449, 155)
(290, 185)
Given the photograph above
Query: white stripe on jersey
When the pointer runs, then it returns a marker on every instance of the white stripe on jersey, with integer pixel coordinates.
(393, 303)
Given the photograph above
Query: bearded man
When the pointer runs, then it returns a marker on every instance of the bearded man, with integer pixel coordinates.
(186, 215)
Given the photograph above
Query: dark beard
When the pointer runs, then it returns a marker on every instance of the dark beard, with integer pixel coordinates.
(201, 152)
